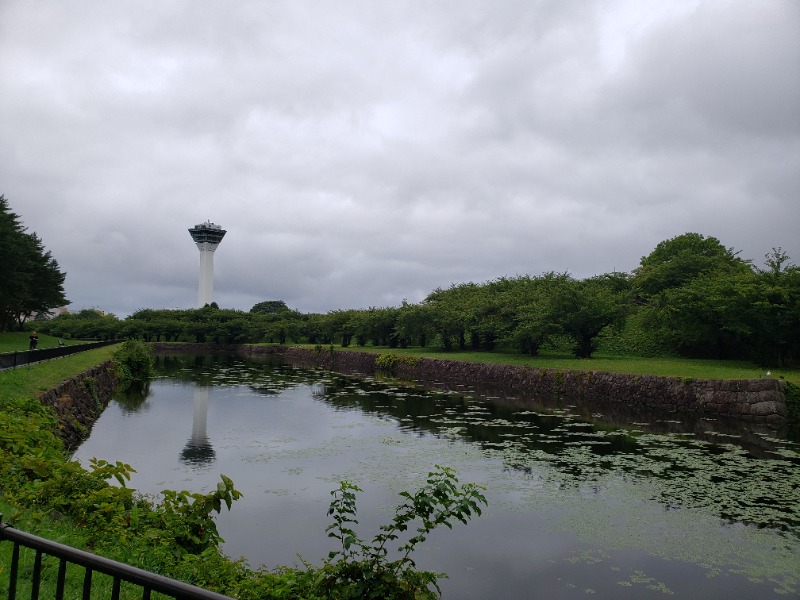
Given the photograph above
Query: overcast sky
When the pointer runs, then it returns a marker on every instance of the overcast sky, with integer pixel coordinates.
(359, 153)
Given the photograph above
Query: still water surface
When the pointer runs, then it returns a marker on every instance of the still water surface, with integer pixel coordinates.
(578, 507)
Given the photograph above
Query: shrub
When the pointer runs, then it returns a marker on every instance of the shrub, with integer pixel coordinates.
(188, 518)
(389, 362)
(134, 362)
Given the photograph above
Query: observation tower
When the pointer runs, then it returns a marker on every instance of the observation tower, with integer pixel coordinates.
(207, 236)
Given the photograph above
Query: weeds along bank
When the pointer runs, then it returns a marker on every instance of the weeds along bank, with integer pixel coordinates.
(78, 402)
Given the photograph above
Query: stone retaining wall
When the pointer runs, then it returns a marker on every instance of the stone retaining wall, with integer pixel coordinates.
(760, 400)
(78, 402)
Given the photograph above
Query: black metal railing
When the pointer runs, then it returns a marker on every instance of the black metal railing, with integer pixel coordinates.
(91, 563)
(10, 360)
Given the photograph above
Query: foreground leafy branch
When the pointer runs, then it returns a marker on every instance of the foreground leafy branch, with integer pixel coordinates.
(363, 570)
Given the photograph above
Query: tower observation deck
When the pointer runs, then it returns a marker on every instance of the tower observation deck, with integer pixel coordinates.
(207, 236)
(207, 233)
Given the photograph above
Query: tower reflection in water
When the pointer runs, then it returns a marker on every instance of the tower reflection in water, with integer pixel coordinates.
(198, 450)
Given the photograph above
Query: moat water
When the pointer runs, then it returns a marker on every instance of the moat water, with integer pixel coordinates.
(580, 503)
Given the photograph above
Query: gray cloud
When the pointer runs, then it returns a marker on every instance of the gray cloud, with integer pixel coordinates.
(363, 153)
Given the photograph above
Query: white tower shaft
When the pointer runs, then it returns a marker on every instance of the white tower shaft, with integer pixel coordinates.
(205, 292)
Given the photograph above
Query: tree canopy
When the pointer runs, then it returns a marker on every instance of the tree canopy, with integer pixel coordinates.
(705, 301)
(691, 296)
(31, 281)
(677, 261)
(269, 307)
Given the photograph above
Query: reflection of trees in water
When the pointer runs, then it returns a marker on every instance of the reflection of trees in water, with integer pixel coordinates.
(133, 397)
(688, 461)
(267, 375)
(198, 450)
(270, 375)
(605, 417)
(490, 423)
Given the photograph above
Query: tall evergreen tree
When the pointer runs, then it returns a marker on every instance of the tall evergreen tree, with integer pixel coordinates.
(31, 281)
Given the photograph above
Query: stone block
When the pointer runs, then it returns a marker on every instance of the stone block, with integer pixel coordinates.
(764, 408)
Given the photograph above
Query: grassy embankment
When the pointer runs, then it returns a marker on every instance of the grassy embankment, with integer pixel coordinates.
(32, 380)
(27, 382)
(668, 367)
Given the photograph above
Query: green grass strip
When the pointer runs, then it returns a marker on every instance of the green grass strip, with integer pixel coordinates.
(668, 367)
(31, 380)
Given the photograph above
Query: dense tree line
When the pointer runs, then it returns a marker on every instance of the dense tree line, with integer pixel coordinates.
(31, 282)
(691, 296)
(705, 301)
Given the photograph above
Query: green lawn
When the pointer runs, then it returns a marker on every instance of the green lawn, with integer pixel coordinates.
(31, 380)
(18, 340)
(671, 367)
